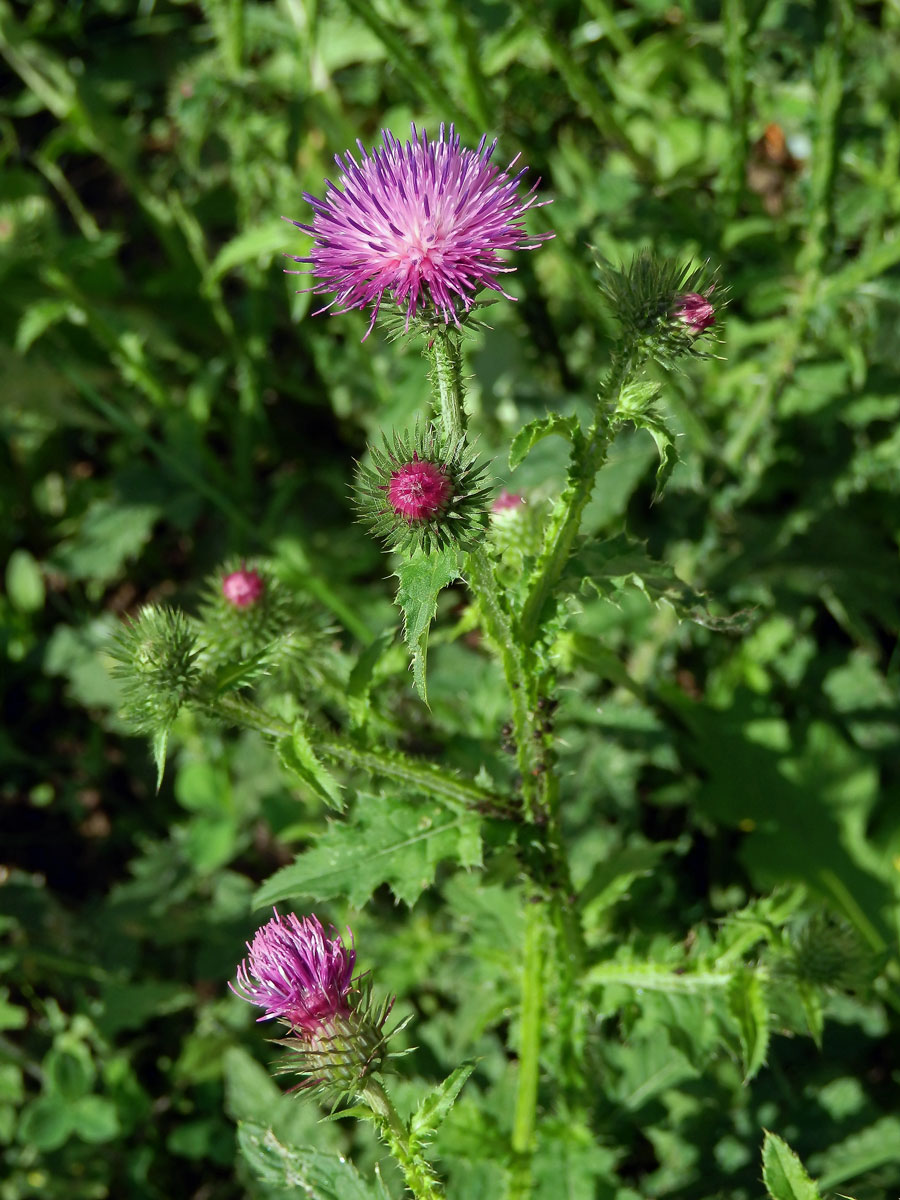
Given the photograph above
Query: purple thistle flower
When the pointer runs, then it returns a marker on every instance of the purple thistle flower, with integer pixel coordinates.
(695, 311)
(242, 588)
(422, 222)
(297, 973)
(419, 490)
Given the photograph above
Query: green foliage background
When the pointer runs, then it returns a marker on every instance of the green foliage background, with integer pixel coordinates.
(167, 400)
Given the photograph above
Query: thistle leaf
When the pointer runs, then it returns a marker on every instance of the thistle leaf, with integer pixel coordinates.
(401, 846)
(298, 756)
(437, 1104)
(302, 1169)
(535, 431)
(747, 1004)
(784, 1175)
(421, 579)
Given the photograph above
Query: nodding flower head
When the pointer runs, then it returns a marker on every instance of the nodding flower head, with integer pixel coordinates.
(423, 491)
(422, 223)
(695, 311)
(243, 588)
(296, 974)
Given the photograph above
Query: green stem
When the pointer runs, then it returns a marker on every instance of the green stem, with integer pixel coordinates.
(459, 795)
(446, 360)
(529, 1050)
(587, 457)
(416, 1171)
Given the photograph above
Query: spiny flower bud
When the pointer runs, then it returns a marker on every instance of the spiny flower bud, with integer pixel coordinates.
(304, 979)
(695, 311)
(243, 588)
(516, 527)
(248, 615)
(423, 491)
(419, 491)
(828, 952)
(156, 660)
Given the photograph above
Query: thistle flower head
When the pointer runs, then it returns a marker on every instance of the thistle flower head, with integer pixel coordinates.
(295, 973)
(422, 223)
(242, 587)
(305, 980)
(423, 491)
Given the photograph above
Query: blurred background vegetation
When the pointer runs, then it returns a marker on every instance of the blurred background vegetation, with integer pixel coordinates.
(167, 400)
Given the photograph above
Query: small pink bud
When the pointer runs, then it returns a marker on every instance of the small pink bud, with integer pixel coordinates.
(507, 500)
(695, 311)
(242, 588)
(419, 490)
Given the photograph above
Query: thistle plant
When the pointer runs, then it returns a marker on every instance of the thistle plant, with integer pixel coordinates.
(415, 233)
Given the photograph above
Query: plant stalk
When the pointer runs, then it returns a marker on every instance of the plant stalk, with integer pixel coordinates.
(416, 1171)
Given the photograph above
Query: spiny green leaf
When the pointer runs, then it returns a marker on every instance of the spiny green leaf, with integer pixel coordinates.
(784, 1175)
(359, 684)
(535, 431)
(747, 1004)
(160, 744)
(298, 756)
(437, 1104)
(308, 1172)
(610, 565)
(665, 445)
(421, 579)
(389, 841)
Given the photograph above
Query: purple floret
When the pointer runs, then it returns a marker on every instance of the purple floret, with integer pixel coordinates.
(296, 973)
(421, 222)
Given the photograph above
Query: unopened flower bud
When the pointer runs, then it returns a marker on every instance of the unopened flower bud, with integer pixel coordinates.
(695, 311)
(423, 492)
(419, 490)
(243, 588)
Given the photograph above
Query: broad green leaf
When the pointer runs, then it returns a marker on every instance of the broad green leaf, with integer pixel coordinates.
(111, 533)
(784, 1175)
(41, 316)
(46, 1123)
(876, 1146)
(298, 756)
(389, 841)
(421, 579)
(257, 244)
(307, 1172)
(535, 431)
(747, 1004)
(95, 1119)
(24, 582)
(434, 1108)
